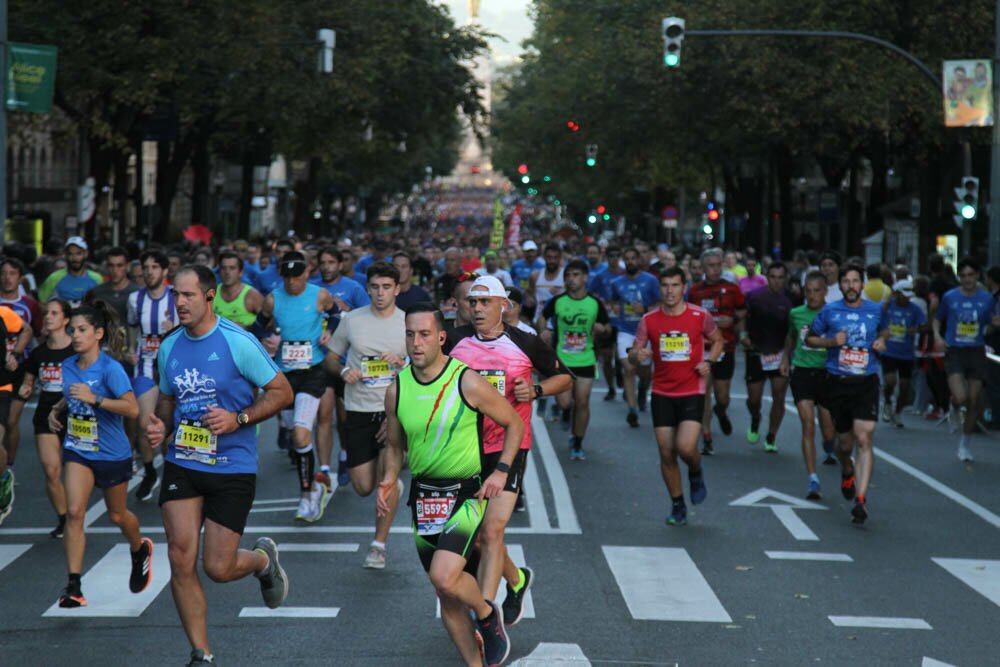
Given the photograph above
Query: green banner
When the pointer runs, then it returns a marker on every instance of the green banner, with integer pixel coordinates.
(31, 77)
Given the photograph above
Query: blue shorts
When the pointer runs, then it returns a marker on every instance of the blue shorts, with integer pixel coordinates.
(107, 474)
(141, 384)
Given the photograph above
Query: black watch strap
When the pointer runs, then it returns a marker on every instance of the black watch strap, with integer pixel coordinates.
(538, 391)
(502, 467)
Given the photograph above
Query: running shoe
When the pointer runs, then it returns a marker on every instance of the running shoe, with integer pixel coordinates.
(142, 566)
(6, 494)
(770, 446)
(698, 489)
(322, 478)
(706, 447)
(859, 513)
(632, 419)
(678, 516)
(57, 532)
(724, 423)
(610, 396)
(319, 497)
(847, 486)
(496, 645)
(934, 415)
(752, 436)
(72, 596)
(199, 657)
(146, 487)
(513, 604)
(375, 560)
(519, 504)
(576, 454)
(308, 510)
(273, 581)
(896, 421)
(887, 411)
(814, 490)
(964, 453)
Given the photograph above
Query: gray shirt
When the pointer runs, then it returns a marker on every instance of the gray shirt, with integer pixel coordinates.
(364, 337)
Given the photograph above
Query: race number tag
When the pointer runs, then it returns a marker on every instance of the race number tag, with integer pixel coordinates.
(82, 433)
(434, 506)
(770, 362)
(574, 343)
(966, 332)
(296, 355)
(150, 346)
(194, 442)
(675, 346)
(803, 332)
(376, 372)
(50, 375)
(629, 312)
(497, 378)
(853, 360)
(708, 304)
(897, 333)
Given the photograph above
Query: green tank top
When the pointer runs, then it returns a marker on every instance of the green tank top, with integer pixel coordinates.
(799, 321)
(442, 430)
(235, 310)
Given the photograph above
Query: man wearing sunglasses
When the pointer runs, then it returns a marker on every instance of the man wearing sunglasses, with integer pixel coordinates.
(964, 314)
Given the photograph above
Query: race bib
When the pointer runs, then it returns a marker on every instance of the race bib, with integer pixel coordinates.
(708, 304)
(82, 433)
(629, 311)
(150, 346)
(194, 442)
(574, 343)
(853, 360)
(967, 332)
(434, 506)
(376, 372)
(50, 375)
(803, 332)
(675, 346)
(897, 333)
(296, 354)
(770, 362)
(497, 378)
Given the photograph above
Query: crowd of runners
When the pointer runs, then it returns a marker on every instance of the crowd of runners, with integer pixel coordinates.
(432, 356)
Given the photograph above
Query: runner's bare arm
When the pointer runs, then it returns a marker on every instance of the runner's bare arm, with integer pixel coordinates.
(483, 397)
(392, 458)
(277, 395)
(254, 301)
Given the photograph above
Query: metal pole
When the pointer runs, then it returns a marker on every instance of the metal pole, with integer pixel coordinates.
(3, 120)
(994, 206)
(966, 171)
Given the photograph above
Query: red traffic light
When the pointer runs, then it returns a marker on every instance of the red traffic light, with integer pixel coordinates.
(573, 126)
(522, 169)
(713, 215)
(601, 209)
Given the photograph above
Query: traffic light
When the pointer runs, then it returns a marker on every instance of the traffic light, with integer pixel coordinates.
(546, 178)
(573, 126)
(707, 228)
(713, 215)
(522, 169)
(591, 155)
(601, 209)
(526, 179)
(673, 36)
(967, 200)
(592, 218)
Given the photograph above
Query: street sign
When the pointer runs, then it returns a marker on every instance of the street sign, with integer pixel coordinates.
(30, 78)
(669, 212)
(670, 223)
(783, 506)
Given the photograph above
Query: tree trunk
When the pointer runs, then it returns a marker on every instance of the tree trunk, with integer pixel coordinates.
(246, 196)
(200, 199)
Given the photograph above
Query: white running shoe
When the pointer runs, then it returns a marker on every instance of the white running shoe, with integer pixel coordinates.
(309, 510)
(964, 453)
(319, 497)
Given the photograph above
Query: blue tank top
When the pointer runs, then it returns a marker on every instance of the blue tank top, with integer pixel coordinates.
(301, 325)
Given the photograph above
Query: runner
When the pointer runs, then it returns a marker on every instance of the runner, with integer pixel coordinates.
(374, 339)
(829, 265)
(521, 271)
(297, 310)
(6, 388)
(724, 300)
(764, 343)
(235, 299)
(578, 318)
(73, 282)
(506, 357)
(45, 363)
(512, 316)
(808, 373)
(97, 394)
(434, 395)
(548, 282)
(211, 369)
(680, 332)
(151, 316)
(905, 319)
(409, 293)
(119, 285)
(19, 334)
(632, 294)
(605, 345)
(965, 312)
(851, 330)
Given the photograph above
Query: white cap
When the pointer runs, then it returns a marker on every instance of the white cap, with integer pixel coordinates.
(77, 241)
(491, 285)
(529, 245)
(904, 287)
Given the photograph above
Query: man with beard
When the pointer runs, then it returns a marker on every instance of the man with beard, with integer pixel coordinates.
(853, 333)
(548, 282)
(73, 282)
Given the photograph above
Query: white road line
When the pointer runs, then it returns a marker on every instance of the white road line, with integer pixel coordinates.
(808, 555)
(289, 612)
(516, 552)
(106, 586)
(565, 512)
(257, 530)
(982, 576)
(663, 584)
(784, 510)
(946, 491)
(276, 501)
(286, 547)
(538, 514)
(793, 524)
(557, 655)
(931, 662)
(883, 622)
(290, 508)
(10, 553)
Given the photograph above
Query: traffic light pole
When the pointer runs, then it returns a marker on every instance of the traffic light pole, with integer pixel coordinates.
(994, 207)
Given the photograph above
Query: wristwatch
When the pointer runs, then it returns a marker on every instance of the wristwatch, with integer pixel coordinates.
(98, 400)
(242, 418)
(502, 467)
(538, 391)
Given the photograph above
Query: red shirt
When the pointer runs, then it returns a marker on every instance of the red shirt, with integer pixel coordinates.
(721, 299)
(678, 347)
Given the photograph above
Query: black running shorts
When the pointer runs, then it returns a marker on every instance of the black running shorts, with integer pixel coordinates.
(807, 383)
(310, 381)
(107, 474)
(228, 497)
(585, 372)
(904, 367)
(360, 429)
(724, 368)
(669, 411)
(969, 362)
(754, 371)
(850, 398)
(515, 478)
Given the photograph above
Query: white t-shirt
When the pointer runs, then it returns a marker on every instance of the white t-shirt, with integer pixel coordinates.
(364, 337)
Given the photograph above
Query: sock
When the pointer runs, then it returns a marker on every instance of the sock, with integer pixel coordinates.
(964, 440)
(632, 410)
(305, 464)
(861, 498)
(380, 545)
(325, 468)
(487, 617)
(828, 446)
(754, 422)
(578, 439)
(813, 477)
(694, 473)
(150, 470)
(74, 578)
(573, 443)
(520, 581)
(678, 501)
(62, 520)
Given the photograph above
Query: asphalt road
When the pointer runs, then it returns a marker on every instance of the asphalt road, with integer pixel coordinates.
(758, 576)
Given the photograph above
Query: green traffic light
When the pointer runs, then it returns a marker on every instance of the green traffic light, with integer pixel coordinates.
(546, 178)
(672, 60)
(526, 179)
(968, 211)
(707, 229)
(591, 162)
(606, 217)
(557, 203)
(592, 219)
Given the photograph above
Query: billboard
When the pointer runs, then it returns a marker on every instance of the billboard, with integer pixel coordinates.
(968, 93)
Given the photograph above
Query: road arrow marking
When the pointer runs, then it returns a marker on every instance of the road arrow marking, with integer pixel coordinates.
(881, 622)
(784, 510)
(931, 662)
(10, 553)
(554, 655)
(982, 576)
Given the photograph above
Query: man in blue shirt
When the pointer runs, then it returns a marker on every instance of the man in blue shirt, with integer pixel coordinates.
(209, 371)
(903, 319)
(268, 280)
(965, 313)
(73, 282)
(520, 273)
(852, 331)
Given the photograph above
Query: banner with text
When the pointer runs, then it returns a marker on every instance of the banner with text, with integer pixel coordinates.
(496, 238)
(31, 77)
